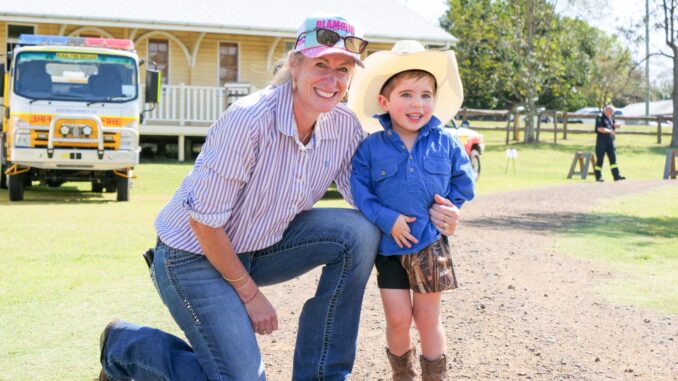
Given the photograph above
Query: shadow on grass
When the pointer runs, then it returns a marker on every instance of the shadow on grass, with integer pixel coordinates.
(659, 151)
(618, 225)
(542, 222)
(165, 161)
(542, 147)
(567, 148)
(39, 195)
(610, 225)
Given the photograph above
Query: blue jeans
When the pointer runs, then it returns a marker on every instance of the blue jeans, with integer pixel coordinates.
(223, 345)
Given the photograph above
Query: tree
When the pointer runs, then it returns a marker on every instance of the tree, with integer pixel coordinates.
(567, 88)
(662, 90)
(476, 24)
(521, 52)
(616, 78)
(669, 25)
(504, 56)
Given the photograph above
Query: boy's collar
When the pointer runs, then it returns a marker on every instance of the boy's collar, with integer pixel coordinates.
(385, 121)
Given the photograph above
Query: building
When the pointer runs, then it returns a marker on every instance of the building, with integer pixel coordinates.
(210, 52)
(663, 107)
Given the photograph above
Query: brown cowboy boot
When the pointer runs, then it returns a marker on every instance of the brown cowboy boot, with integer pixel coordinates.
(435, 370)
(403, 366)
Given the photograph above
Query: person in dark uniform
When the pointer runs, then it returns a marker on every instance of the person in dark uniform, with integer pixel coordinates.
(605, 132)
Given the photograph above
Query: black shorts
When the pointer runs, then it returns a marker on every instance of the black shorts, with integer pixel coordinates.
(390, 273)
(429, 270)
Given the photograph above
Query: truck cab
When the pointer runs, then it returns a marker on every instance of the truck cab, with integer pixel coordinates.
(72, 108)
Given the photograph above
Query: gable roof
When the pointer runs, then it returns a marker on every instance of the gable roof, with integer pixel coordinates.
(663, 107)
(380, 20)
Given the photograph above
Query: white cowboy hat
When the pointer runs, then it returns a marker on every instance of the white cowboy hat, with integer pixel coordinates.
(405, 55)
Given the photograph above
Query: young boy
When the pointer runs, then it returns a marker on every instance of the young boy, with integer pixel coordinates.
(398, 173)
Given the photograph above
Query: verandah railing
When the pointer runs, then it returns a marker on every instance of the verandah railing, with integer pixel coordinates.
(182, 104)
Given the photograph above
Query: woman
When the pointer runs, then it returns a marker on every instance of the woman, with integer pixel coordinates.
(244, 218)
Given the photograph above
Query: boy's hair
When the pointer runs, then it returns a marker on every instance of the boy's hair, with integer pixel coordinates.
(406, 74)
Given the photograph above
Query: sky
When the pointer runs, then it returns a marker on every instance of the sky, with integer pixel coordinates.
(624, 13)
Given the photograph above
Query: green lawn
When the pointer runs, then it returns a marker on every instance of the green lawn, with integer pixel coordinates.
(70, 259)
(638, 157)
(636, 236)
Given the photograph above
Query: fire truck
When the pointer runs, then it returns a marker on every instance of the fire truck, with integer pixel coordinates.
(71, 112)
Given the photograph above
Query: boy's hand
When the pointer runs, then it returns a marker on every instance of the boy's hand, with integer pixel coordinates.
(401, 232)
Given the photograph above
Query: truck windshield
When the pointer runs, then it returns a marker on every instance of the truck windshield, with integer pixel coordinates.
(75, 76)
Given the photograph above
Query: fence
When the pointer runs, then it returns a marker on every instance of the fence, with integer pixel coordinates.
(562, 119)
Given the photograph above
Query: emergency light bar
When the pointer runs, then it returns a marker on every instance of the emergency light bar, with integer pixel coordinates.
(112, 43)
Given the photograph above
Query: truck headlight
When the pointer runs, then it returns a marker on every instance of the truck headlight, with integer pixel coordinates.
(20, 123)
(22, 139)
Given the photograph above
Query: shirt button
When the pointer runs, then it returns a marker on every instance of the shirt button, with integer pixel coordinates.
(383, 173)
(411, 169)
(388, 133)
(411, 157)
(404, 147)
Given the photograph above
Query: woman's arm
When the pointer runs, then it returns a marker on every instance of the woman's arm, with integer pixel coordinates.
(212, 192)
(219, 251)
(445, 210)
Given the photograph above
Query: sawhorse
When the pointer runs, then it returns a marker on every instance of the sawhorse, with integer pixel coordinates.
(584, 159)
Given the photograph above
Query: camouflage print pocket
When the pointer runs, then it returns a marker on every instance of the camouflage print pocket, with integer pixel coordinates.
(430, 270)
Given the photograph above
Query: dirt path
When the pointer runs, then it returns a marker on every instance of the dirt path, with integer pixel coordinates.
(522, 312)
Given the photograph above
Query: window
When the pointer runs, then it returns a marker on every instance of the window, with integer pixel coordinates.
(13, 33)
(158, 52)
(73, 77)
(228, 62)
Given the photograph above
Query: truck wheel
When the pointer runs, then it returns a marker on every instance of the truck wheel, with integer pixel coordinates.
(123, 186)
(3, 177)
(15, 184)
(111, 184)
(97, 187)
(475, 163)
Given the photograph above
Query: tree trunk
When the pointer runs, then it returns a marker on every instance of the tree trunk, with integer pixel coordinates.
(674, 134)
(530, 109)
(531, 67)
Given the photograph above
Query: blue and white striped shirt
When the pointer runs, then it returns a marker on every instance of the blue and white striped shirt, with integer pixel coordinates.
(253, 176)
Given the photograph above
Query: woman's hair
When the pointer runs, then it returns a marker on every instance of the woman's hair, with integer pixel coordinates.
(281, 71)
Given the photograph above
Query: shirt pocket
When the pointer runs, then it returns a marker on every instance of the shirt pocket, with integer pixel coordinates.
(384, 169)
(437, 171)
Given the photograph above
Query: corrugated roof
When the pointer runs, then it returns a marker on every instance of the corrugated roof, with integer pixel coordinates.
(381, 20)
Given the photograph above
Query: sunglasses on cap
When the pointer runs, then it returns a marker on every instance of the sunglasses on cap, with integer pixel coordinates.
(330, 38)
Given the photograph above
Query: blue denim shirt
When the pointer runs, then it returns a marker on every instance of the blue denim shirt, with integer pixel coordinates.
(387, 180)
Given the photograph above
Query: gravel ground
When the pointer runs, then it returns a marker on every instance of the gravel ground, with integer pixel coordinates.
(522, 312)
